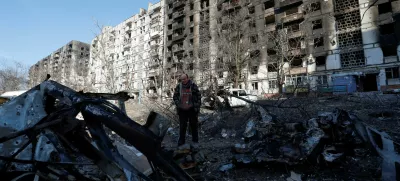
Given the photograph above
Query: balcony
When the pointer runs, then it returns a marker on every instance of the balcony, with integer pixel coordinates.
(154, 46)
(151, 83)
(297, 51)
(177, 37)
(153, 54)
(179, 4)
(178, 25)
(179, 14)
(269, 12)
(292, 17)
(152, 73)
(272, 75)
(230, 5)
(176, 49)
(287, 2)
(297, 70)
(127, 43)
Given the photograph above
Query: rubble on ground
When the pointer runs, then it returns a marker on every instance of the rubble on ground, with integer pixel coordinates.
(41, 137)
(333, 138)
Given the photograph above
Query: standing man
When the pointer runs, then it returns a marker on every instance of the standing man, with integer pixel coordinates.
(187, 99)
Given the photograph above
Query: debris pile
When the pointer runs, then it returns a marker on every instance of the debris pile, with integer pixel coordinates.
(266, 140)
(326, 139)
(41, 137)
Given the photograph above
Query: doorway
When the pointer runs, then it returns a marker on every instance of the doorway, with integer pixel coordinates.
(369, 82)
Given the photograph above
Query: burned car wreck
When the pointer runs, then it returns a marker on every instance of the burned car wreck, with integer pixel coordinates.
(41, 138)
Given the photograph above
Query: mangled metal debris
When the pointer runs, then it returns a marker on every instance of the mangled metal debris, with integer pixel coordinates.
(327, 138)
(40, 135)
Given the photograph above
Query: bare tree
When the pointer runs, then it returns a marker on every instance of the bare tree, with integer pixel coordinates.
(13, 76)
(238, 44)
(103, 59)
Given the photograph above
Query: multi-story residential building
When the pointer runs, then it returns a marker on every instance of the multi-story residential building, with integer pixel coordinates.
(181, 39)
(68, 65)
(339, 44)
(129, 56)
(360, 50)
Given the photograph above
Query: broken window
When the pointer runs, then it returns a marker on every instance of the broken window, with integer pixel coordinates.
(191, 18)
(271, 52)
(252, 10)
(254, 70)
(272, 84)
(253, 39)
(82, 48)
(191, 53)
(316, 6)
(220, 74)
(317, 24)
(292, 11)
(170, 6)
(170, 16)
(322, 80)
(293, 28)
(191, 29)
(386, 29)
(320, 60)
(389, 50)
(318, 42)
(270, 19)
(191, 42)
(296, 62)
(269, 4)
(191, 6)
(254, 85)
(170, 27)
(294, 43)
(273, 67)
(191, 66)
(169, 37)
(252, 24)
(385, 8)
(392, 73)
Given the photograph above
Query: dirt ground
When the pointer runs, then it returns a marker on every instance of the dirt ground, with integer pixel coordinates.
(379, 111)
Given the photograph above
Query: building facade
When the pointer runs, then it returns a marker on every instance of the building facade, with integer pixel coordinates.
(129, 56)
(327, 45)
(68, 65)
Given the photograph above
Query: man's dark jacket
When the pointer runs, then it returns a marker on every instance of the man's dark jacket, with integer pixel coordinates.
(196, 96)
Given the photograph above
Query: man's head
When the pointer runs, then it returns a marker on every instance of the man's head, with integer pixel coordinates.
(184, 78)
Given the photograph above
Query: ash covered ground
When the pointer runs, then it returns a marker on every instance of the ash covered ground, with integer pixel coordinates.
(218, 136)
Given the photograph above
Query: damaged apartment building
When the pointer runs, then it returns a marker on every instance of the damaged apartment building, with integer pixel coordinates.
(334, 45)
(129, 56)
(360, 49)
(68, 65)
(192, 43)
(349, 45)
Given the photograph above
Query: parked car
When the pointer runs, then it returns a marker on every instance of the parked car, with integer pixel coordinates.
(233, 101)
